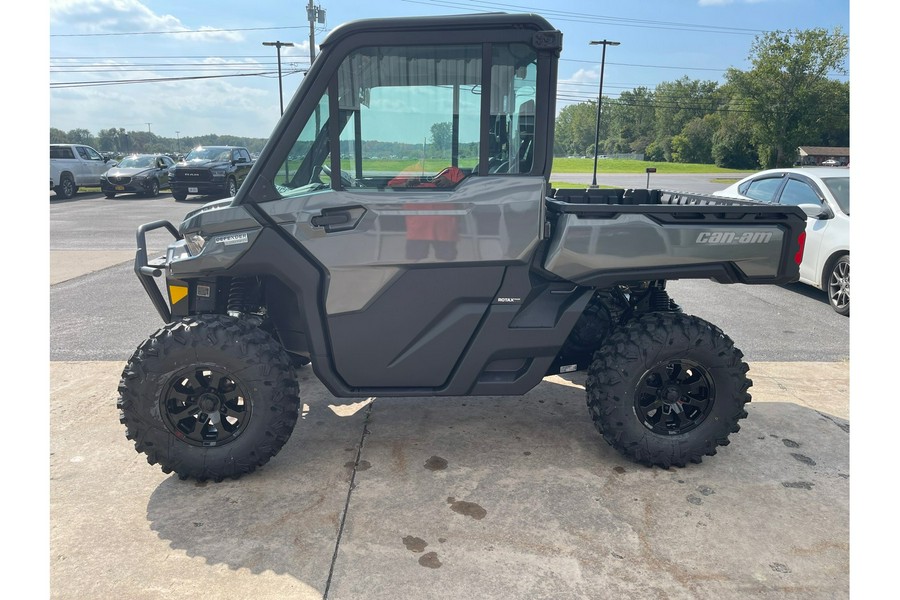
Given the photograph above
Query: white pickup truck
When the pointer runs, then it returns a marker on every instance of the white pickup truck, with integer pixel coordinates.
(73, 166)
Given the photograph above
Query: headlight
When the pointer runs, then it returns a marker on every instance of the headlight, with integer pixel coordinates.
(195, 242)
(218, 173)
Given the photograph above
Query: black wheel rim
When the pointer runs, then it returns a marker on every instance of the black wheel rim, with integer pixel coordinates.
(204, 406)
(839, 285)
(674, 397)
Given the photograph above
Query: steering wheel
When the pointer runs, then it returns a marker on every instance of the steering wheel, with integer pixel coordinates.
(346, 180)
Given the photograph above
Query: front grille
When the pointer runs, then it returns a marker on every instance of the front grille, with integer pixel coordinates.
(189, 175)
(120, 180)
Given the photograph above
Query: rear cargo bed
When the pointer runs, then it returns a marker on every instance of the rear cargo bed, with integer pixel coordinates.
(603, 237)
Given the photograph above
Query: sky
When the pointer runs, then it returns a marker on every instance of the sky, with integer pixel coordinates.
(180, 68)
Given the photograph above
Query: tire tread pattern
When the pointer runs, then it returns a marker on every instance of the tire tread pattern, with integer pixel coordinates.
(246, 352)
(639, 345)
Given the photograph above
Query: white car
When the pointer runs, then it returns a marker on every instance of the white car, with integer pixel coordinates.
(824, 195)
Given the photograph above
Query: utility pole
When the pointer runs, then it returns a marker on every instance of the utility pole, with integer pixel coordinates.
(278, 46)
(177, 142)
(148, 127)
(603, 43)
(315, 14)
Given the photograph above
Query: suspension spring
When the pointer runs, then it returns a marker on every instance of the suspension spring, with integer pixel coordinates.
(237, 294)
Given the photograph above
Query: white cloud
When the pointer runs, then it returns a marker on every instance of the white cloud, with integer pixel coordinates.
(584, 76)
(126, 16)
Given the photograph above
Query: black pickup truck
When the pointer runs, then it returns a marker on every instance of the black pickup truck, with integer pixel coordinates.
(211, 170)
(462, 275)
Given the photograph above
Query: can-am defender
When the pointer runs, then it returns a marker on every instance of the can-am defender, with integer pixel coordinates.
(398, 233)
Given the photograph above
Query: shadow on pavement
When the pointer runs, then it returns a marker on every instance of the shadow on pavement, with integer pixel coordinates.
(493, 497)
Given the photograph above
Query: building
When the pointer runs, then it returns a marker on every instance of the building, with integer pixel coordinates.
(816, 155)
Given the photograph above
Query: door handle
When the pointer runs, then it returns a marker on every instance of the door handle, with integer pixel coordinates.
(343, 218)
(331, 219)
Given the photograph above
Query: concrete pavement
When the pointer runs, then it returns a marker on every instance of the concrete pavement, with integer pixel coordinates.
(495, 497)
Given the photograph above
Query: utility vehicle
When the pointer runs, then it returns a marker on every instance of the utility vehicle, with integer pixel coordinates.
(398, 234)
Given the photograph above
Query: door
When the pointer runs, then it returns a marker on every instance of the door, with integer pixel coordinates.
(799, 190)
(383, 188)
(92, 164)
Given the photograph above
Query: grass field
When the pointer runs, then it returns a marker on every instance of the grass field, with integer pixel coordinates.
(561, 166)
(613, 165)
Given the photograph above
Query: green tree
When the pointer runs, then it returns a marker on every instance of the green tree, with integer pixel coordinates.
(58, 136)
(787, 93)
(441, 138)
(694, 143)
(631, 118)
(679, 102)
(80, 136)
(575, 128)
(732, 142)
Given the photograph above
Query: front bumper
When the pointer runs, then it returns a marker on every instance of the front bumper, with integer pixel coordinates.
(148, 270)
(128, 188)
(204, 188)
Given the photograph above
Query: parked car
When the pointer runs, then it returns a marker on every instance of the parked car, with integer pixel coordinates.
(143, 174)
(73, 166)
(206, 170)
(824, 194)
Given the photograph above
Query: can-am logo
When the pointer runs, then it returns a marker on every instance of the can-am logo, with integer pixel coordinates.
(733, 237)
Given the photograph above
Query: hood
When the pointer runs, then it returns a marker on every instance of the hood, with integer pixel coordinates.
(127, 171)
(202, 164)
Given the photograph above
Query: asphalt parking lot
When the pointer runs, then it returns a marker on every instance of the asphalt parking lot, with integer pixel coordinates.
(492, 497)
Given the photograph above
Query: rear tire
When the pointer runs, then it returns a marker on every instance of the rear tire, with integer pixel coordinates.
(110, 195)
(179, 196)
(667, 389)
(209, 397)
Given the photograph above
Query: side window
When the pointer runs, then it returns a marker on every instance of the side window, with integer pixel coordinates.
(513, 89)
(798, 192)
(305, 169)
(83, 153)
(414, 117)
(92, 154)
(762, 189)
(410, 116)
(61, 152)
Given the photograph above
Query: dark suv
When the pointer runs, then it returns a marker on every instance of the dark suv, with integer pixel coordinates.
(211, 170)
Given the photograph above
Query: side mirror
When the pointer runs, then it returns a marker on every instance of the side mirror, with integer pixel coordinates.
(817, 211)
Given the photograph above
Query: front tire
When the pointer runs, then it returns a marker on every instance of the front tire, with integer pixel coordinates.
(838, 285)
(109, 195)
(209, 397)
(153, 192)
(231, 189)
(667, 389)
(66, 188)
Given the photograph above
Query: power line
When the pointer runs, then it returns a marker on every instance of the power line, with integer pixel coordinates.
(176, 32)
(77, 84)
(581, 18)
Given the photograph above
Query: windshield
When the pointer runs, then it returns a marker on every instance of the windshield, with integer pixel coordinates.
(211, 153)
(137, 162)
(840, 189)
